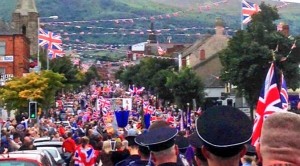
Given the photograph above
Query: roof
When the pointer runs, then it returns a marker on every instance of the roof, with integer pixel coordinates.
(6, 29)
(26, 6)
(28, 154)
(196, 45)
(210, 79)
(170, 48)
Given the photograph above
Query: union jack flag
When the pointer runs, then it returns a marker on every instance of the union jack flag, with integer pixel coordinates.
(248, 9)
(135, 90)
(270, 101)
(54, 53)
(283, 94)
(148, 109)
(49, 40)
(83, 157)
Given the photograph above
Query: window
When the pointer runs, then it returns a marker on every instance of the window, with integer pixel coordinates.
(2, 48)
(2, 70)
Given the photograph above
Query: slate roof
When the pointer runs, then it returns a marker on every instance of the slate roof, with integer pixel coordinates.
(6, 29)
(26, 6)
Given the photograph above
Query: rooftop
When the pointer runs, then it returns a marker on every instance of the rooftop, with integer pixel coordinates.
(26, 6)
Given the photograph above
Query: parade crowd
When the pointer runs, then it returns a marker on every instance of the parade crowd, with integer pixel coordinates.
(91, 133)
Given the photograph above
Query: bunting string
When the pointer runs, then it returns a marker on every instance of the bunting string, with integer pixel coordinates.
(142, 18)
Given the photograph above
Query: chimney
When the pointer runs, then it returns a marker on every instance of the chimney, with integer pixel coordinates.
(286, 30)
(202, 55)
(219, 26)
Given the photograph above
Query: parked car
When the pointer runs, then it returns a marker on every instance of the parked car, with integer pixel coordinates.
(56, 144)
(65, 123)
(29, 158)
(42, 139)
(53, 151)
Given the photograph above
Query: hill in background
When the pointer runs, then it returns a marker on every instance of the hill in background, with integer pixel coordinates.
(189, 22)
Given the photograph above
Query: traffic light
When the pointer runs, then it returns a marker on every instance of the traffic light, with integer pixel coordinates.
(32, 110)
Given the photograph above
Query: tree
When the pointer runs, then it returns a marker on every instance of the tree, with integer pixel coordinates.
(142, 73)
(159, 81)
(64, 65)
(37, 87)
(250, 52)
(90, 75)
(186, 86)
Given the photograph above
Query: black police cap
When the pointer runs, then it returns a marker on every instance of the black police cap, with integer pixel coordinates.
(181, 142)
(195, 140)
(157, 139)
(224, 130)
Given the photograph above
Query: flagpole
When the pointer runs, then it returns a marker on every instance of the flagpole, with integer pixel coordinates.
(47, 60)
(242, 17)
(38, 51)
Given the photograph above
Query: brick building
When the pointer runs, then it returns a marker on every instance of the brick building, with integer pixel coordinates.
(14, 53)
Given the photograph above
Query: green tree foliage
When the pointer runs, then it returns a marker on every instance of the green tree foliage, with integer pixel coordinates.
(64, 65)
(186, 86)
(90, 75)
(158, 76)
(159, 81)
(38, 87)
(142, 73)
(250, 53)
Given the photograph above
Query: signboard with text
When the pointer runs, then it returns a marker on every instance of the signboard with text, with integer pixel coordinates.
(6, 58)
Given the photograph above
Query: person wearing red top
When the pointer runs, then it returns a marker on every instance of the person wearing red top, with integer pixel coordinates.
(69, 145)
(61, 130)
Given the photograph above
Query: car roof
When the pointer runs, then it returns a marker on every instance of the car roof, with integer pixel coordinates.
(47, 147)
(64, 121)
(27, 154)
(19, 160)
(42, 139)
(48, 143)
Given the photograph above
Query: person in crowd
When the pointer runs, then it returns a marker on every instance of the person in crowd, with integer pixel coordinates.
(69, 147)
(85, 154)
(182, 144)
(56, 137)
(249, 159)
(3, 150)
(15, 143)
(5, 138)
(119, 152)
(27, 144)
(280, 138)
(196, 143)
(133, 150)
(105, 155)
(160, 141)
(145, 159)
(224, 131)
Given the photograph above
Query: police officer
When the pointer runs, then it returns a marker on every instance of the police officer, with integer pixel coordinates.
(196, 143)
(133, 150)
(182, 144)
(161, 143)
(224, 131)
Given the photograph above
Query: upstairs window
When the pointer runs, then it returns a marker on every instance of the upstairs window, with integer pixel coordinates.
(2, 48)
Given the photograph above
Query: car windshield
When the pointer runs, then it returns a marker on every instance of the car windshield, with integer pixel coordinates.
(53, 152)
(17, 163)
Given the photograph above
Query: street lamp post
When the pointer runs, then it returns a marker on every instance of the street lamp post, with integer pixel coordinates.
(38, 51)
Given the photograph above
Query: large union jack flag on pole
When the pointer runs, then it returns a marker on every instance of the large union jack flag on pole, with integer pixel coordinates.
(52, 42)
(270, 101)
(49, 40)
(248, 9)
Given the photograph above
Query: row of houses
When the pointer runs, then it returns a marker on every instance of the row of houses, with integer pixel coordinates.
(201, 56)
